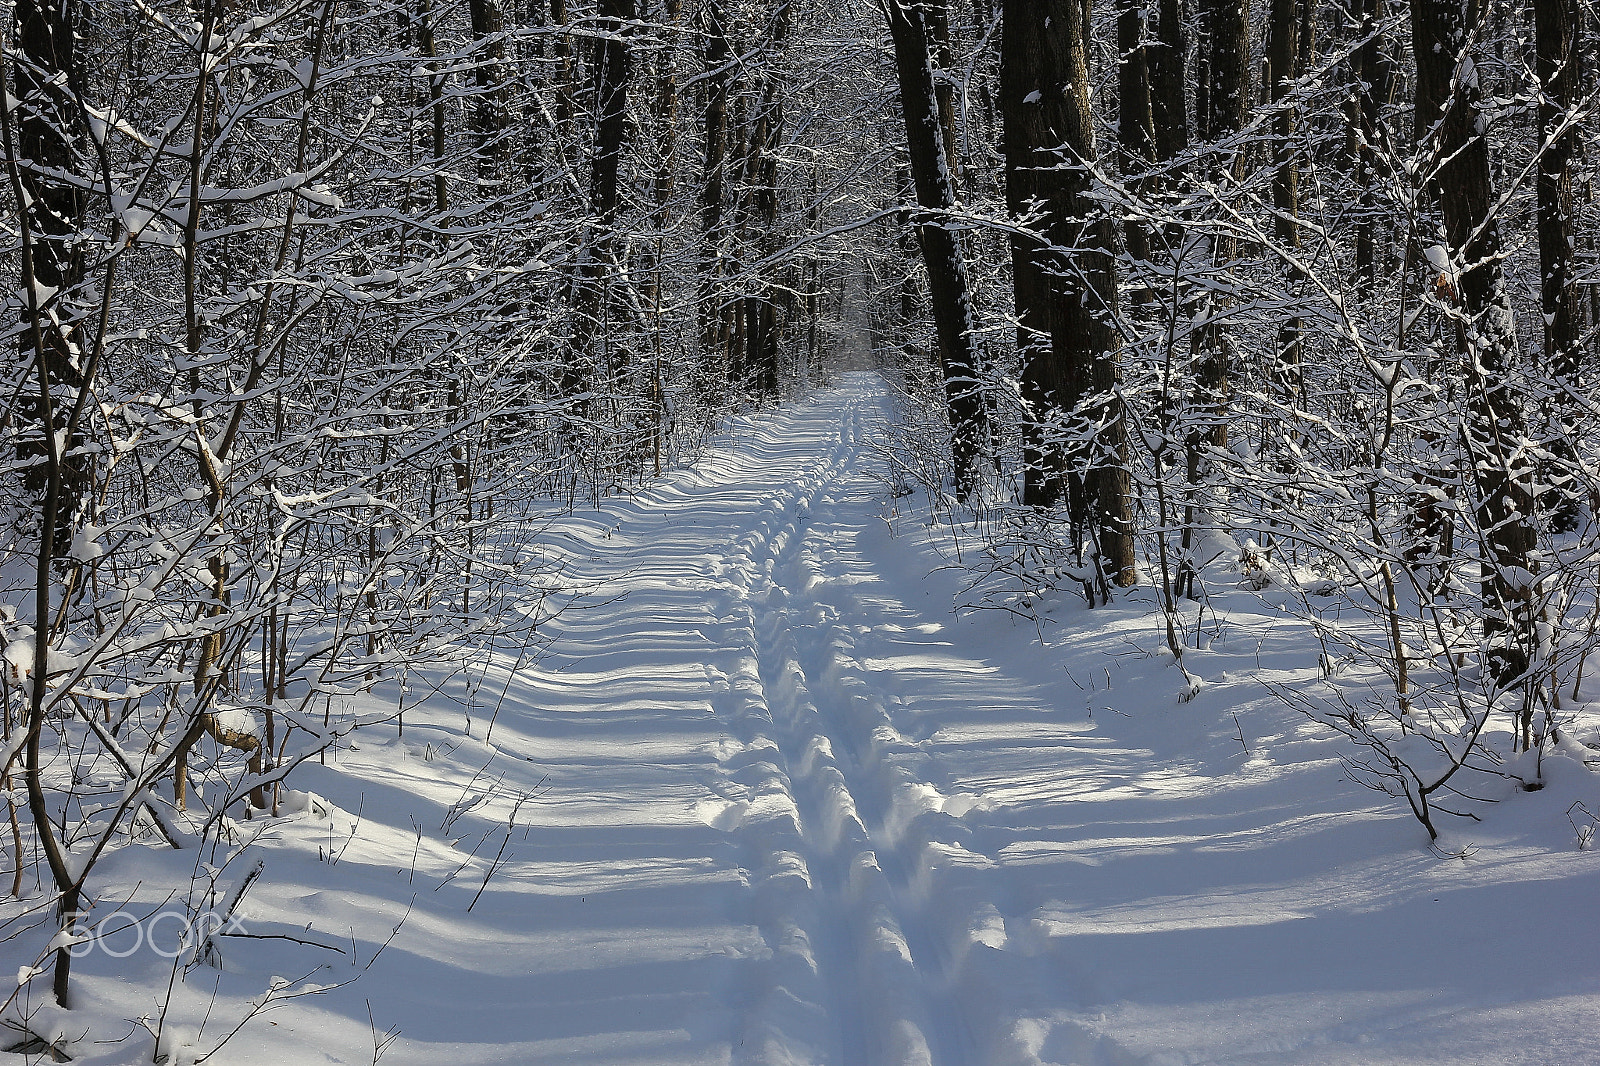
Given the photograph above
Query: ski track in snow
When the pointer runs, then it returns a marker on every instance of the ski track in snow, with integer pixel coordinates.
(839, 835)
(787, 810)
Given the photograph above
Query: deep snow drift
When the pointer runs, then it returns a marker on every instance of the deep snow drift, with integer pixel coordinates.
(768, 799)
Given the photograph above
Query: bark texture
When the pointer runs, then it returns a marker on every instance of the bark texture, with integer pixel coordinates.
(941, 253)
(1075, 439)
(1451, 123)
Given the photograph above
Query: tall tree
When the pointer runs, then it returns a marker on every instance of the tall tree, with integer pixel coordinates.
(489, 118)
(1368, 134)
(762, 320)
(1452, 124)
(49, 137)
(936, 18)
(1135, 112)
(941, 253)
(1169, 90)
(1227, 107)
(611, 73)
(1064, 277)
(1555, 24)
(718, 64)
(1283, 59)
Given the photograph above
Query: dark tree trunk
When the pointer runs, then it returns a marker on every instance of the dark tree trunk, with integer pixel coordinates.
(1283, 57)
(1064, 277)
(762, 188)
(489, 118)
(49, 136)
(718, 68)
(1228, 52)
(936, 16)
(947, 274)
(611, 72)
(1374, 85)
(1451, 119)
(741, 143)
(1221, 107)
(1555, 22)
(1227, 108)
(432, 142)
(1169, 101)
(611, 99)
(1135, 113)
(1555, 25)
(566, 83)
(1167, 58)
(666, 123)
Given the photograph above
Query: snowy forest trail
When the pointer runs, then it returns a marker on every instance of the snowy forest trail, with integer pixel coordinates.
(828, 808)
(766, 798)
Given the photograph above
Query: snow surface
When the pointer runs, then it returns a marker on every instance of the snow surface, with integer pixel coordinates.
(768, 799)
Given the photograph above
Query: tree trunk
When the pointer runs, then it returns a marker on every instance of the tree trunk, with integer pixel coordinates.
(1555, 22)
(1065, 278)
(1135, 115)
(1227, 108)
(762, 185)
(49, 135)
(947, 275)
(611, 101)
(434, 143)
(1451, 120)
(666, 119)
(566, 83)
(936, 17)
(1374, 85)
(718, 68)
(489, 91)
(1169, 103)
(1283, 54)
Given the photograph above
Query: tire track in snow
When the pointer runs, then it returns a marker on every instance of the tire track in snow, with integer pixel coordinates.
(842, 840)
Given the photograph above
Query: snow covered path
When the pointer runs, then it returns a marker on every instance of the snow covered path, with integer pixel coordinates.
(767, 800)
(772, 627)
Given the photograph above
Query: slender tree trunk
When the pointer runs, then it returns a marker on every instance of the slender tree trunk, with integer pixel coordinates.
(611, 100)
(1167, 56)
(947, 275)
(936, 19)
(1374, 85)
(762, 187)
(666, 119)
(435, 142)
(1283, 52)
(566, 83)
(718, 71)
(1227, 108)
(1555, 23)
(1451, 119)
(1222, 104)
(40, 127)
(742, 141)
(1135, 116)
